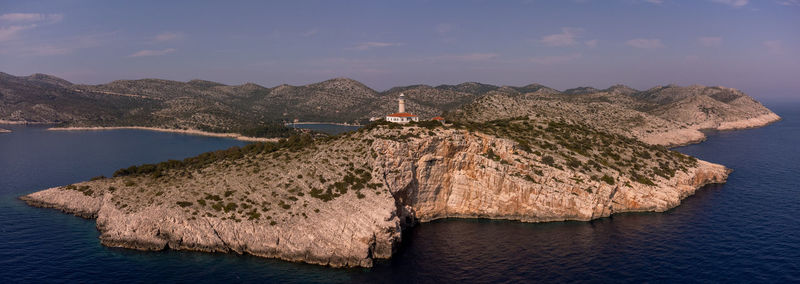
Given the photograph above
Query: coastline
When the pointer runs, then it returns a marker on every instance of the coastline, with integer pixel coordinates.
(16, 122)
(755, 122)
(180, 131)
(694, 135)
(317, 122)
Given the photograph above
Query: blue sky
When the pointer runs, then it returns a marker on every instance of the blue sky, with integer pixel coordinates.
(750, 45)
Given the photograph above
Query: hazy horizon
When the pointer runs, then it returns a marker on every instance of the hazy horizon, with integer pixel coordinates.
(748, 45)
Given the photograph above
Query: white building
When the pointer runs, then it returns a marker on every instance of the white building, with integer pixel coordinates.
(401, 116)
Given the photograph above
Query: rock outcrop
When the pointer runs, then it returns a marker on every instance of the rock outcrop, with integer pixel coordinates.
(345, 202)
(669, 116)
(443, 178)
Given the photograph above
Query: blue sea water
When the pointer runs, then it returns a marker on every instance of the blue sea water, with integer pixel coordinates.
(747, 230)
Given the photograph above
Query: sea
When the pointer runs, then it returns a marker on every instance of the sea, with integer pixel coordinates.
(746, 230)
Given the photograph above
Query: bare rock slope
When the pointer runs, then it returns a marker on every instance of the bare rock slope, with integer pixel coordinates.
(669, 115)
(344, 201)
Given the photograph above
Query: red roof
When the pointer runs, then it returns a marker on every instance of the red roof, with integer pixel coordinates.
(402, 114)
(438, 118)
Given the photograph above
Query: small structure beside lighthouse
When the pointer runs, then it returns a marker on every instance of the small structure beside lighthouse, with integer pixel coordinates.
(401, 116)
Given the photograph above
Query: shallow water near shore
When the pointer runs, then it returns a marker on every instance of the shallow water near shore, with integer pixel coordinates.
(744, 230)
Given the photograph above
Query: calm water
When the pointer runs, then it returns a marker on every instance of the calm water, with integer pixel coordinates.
(746, 230)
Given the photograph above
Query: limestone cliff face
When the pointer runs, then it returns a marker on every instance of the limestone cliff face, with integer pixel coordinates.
(428, 175)
(350, 235)
(450, 177)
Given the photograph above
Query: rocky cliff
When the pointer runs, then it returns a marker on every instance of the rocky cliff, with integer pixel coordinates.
(344, 201)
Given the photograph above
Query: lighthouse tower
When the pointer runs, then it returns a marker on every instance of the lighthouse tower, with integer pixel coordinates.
(401, 103)
(401, 116)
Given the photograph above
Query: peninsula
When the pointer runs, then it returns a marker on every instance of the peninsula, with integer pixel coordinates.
(343, 201)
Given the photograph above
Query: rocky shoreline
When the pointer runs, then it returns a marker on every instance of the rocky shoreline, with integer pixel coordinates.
(181, 131)
(4, 130)
(755, 122)
(693, 135)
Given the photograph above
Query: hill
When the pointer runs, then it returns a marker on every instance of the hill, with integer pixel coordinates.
(666, 115)
(670, 115)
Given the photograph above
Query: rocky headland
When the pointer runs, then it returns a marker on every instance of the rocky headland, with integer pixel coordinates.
(344, 201)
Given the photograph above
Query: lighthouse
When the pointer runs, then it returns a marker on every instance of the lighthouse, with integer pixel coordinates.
(401, 116)
(401, 103)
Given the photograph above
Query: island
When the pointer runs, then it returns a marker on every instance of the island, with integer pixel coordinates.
(531, 154)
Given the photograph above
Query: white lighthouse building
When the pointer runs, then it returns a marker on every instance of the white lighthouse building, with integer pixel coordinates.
(401, 116)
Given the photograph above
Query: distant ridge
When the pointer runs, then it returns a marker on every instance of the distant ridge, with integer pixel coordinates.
(211, 106)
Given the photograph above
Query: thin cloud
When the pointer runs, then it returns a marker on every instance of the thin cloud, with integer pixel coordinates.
(48, 50)
(374, 44)
(732, 3)
(148, 52)
(646, 43)
(567, 37)
(789, 3)
(467, 57)
(167, 36)
(58, 46)
(31, 17)
(444, 28)
(24, 21)
(774, 46)
(557, 59)
(591, 43)
(709, 41)
(654, 1)
(11, 32)
(310, 32)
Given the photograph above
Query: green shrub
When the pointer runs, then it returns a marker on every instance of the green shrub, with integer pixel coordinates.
(230, 207)
(607, 179)
(253, 215)
(213, 197)
(548, 160)
(184, 203)
(642, 179)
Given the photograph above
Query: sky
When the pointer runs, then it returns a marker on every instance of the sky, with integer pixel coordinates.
(749, 45)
